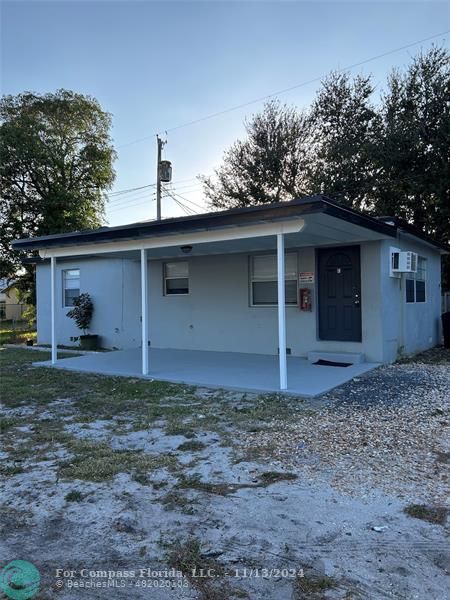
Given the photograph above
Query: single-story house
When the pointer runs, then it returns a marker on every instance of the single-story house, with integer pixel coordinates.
(11, 308)
(305, 280)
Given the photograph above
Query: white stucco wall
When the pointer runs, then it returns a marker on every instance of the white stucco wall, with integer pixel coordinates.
(114, 286)
(216, 315)
(409, 328)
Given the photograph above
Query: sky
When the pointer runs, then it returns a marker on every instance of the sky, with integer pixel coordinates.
(158, 65)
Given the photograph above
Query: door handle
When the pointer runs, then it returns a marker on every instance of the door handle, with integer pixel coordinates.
(357, 301)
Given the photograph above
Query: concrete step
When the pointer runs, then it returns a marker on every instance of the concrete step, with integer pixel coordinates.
(355, 358)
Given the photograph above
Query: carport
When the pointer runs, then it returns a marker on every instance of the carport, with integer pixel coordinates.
(311, 222)
(231, 370)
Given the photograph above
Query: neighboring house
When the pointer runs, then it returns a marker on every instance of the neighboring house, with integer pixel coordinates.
(11, 309)
(353, 286)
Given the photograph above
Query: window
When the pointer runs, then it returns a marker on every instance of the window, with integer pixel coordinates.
(176, 278)
(263, 279)
(71, 286)
(416, 282)
(2, 309)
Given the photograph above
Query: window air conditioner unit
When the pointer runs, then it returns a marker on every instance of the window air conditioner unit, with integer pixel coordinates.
(403, 262)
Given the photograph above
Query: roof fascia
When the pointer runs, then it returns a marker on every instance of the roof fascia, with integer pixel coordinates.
(187, 238)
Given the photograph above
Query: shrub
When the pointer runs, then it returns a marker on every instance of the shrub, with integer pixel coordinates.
(82, 310)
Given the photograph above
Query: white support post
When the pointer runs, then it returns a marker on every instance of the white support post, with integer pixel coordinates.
(53, 308)
(281, 312)
(144, 304)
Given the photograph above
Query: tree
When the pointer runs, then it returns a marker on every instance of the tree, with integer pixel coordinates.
(346, 125)
(388, 158)
(288, 153)
(413, 151)
(56, 161)
(269, 165)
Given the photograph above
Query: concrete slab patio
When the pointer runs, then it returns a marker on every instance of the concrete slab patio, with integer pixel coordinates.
(232, 370)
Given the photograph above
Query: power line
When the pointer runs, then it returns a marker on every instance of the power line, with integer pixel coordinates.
(286, 90)
(194, 191)
(190, 201)
(131, 202)
(197, 185)
(186, 209)
(180, 200)
(132, 195)
(123, 201)
(184, 180)
(130, 190)
(127, 191)
(172, 191)
(129, 199)
(142, 203)
(183, 207)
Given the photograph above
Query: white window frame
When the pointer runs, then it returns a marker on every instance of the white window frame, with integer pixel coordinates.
(252, 279)
(420, 275)
(64, 288)
(165, 278)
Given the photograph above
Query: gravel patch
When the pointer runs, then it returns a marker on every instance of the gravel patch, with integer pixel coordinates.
(386, 430)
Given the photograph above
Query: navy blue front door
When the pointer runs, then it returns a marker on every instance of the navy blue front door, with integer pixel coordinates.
(339, 294)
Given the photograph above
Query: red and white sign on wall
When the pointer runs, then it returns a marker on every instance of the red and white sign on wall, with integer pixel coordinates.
(306, 277)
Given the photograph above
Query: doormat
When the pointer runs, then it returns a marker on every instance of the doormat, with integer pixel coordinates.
(330, 363)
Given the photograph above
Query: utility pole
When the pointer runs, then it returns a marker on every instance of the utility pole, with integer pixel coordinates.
(160, 143)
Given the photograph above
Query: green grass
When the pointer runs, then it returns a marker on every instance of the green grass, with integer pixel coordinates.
(175, 500)
(11, 470)
(433, 514)
(6, 424)
(23, 384)
(137, 402)
(194, 482)
(177, 426)
(178, 409)
(191, 446)
(270, 477)
(99, 462)
(16, 333)
(312, 586)
(188, 558)
(74, 496)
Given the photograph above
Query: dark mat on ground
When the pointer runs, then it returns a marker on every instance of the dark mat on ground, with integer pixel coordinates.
(331, 363)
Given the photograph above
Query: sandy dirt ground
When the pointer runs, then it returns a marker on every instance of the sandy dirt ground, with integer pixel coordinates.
(124, 491)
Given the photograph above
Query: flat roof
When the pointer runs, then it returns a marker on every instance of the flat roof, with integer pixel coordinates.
(234, 217)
